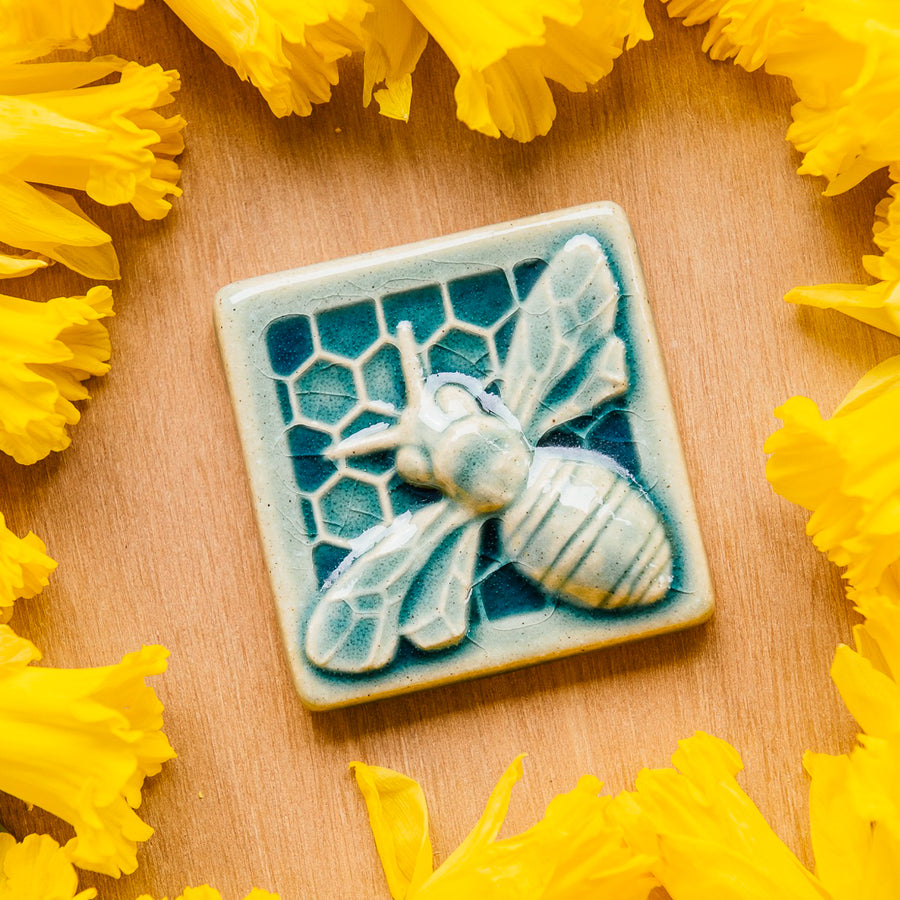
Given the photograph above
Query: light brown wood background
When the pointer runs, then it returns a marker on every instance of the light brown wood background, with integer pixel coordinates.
(150, 517)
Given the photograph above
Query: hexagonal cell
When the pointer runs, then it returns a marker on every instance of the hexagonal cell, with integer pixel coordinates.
(563, 436)
(309, 519)
(506, 593)
(383, 377)
(409, 497)
(284, 401)
(611, 435)
(350, 508)
(326, 392)
(503, 336)
(375, 463)
(525, 274)
(348, 330)
(289, 343)
(367, 603)
(326, 558)
(422, 307)
(480, 299)
(460, 352)
(305, 447)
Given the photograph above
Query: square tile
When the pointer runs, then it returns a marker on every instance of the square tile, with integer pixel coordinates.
(463, 455)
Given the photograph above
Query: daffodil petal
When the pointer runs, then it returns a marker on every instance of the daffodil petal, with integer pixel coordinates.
(877, 305)
(37, 869)
(840, 837)
(79, 743)
(505, 52)
(17, 266)
(398, 816)
(24, 567)
(394, 41)
(56, 76)
(46, 351)
(52, 224)
(287, 50)
(491, 820)
(872, 697)
(108, 150)
(15, 652)
(882, 630)
(32, 28)
(576, 850)
(847, 470)
(855, 819)
(738, 29)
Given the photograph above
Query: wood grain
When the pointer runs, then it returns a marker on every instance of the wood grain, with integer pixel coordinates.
(149, 512)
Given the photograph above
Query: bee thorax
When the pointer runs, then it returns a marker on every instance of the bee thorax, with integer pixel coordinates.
(482, 463)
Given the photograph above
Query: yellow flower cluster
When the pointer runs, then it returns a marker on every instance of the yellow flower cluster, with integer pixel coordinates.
(59, 129)
(846, 470)
(76, 742)
(106, 140)
(855, 798)
(505, 51)
(691, 829)
(843, 59)
(79, 743)
(576, 850)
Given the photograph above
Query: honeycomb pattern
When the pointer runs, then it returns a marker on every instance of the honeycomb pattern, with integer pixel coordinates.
(338, 371)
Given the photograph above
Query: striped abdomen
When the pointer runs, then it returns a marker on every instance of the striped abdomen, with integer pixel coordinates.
(587, 534)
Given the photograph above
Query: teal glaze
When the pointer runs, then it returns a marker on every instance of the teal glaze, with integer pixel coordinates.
(318, 371)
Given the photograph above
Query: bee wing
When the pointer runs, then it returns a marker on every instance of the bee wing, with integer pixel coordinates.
(564, 358)
(355, 626)
(437, 615)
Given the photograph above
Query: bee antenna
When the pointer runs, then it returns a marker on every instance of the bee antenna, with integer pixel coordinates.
(409, 362)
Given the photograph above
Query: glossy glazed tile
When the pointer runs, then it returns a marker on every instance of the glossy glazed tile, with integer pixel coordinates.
(463, 455)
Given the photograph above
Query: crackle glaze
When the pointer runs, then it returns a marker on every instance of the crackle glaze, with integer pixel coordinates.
(464, 455)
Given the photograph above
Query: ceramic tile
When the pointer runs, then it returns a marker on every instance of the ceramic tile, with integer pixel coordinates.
(463, 455)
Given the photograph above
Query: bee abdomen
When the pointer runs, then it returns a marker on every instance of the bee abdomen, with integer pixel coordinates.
(588, 534)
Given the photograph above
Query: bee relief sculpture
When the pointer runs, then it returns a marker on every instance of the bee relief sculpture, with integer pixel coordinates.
(571, 521)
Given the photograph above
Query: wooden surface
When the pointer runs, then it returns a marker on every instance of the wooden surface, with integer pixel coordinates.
(149, 513)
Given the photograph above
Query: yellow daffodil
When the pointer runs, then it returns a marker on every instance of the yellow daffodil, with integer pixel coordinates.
(875, 304)
(855, 798)
(843, 59)
(37, 869)
(205, 892)
(708, 839)
(846, 470)
(505, 52)
(46, 351)
(59, 131)
(33, 28)
(576, 850)
(24, 568)
(705, 836)
(287, 50)
(79, 743)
